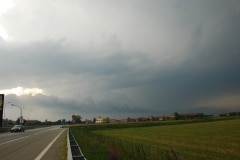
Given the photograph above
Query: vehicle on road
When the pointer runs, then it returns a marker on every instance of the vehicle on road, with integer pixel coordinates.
(17, 128)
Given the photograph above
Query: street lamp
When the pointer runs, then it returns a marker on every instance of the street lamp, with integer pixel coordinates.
(21, 117)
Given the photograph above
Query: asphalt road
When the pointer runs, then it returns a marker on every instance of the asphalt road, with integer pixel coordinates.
(34, 144)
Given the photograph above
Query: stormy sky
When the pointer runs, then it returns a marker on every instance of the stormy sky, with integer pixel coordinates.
(119, 59)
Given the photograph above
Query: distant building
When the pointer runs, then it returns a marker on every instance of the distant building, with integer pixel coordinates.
(114, 121)
(99, 120)
(102, 120)
(88, 121)
(162, 118)
(142, 119)
(131, 119)
(151, 118)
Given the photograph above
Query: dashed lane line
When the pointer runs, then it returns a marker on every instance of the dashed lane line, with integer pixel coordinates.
(13, 140)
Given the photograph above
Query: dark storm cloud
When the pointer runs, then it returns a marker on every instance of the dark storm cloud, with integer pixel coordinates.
(52, 58)
(205, 73)
(150, 58)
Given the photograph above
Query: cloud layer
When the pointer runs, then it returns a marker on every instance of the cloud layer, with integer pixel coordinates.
(121, 59)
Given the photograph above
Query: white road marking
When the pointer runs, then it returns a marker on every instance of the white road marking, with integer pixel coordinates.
(47, 148)
(53, 128)
(13, 140)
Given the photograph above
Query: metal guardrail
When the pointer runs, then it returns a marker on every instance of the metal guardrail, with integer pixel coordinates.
(74, 151)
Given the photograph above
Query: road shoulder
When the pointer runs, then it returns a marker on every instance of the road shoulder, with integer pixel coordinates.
(54, 151)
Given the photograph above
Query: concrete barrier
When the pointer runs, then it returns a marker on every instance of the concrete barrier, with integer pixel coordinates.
(5, 129)
(74, 151)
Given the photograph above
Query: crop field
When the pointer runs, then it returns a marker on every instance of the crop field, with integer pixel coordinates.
(203, 140)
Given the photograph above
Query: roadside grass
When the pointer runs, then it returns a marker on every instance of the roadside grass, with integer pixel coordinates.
(165, 140)
(90, 144)
(212, 140)
(63, 148)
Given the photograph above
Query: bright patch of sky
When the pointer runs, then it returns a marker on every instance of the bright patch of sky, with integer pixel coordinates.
(20, 91)
(5, 5)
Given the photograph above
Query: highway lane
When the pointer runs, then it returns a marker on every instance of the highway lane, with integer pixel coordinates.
(29, 145)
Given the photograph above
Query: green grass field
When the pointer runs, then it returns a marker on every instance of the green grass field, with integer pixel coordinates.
(205, 140)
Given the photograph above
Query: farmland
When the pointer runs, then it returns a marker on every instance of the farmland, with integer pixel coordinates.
(162, 140)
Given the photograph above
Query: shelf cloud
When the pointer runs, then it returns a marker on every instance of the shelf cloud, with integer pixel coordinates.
(120, 59)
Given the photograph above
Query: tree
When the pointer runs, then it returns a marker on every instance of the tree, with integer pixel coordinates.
(18, 121)
(94, 120)
(176, 115)
(76, 119)
(79, 119)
